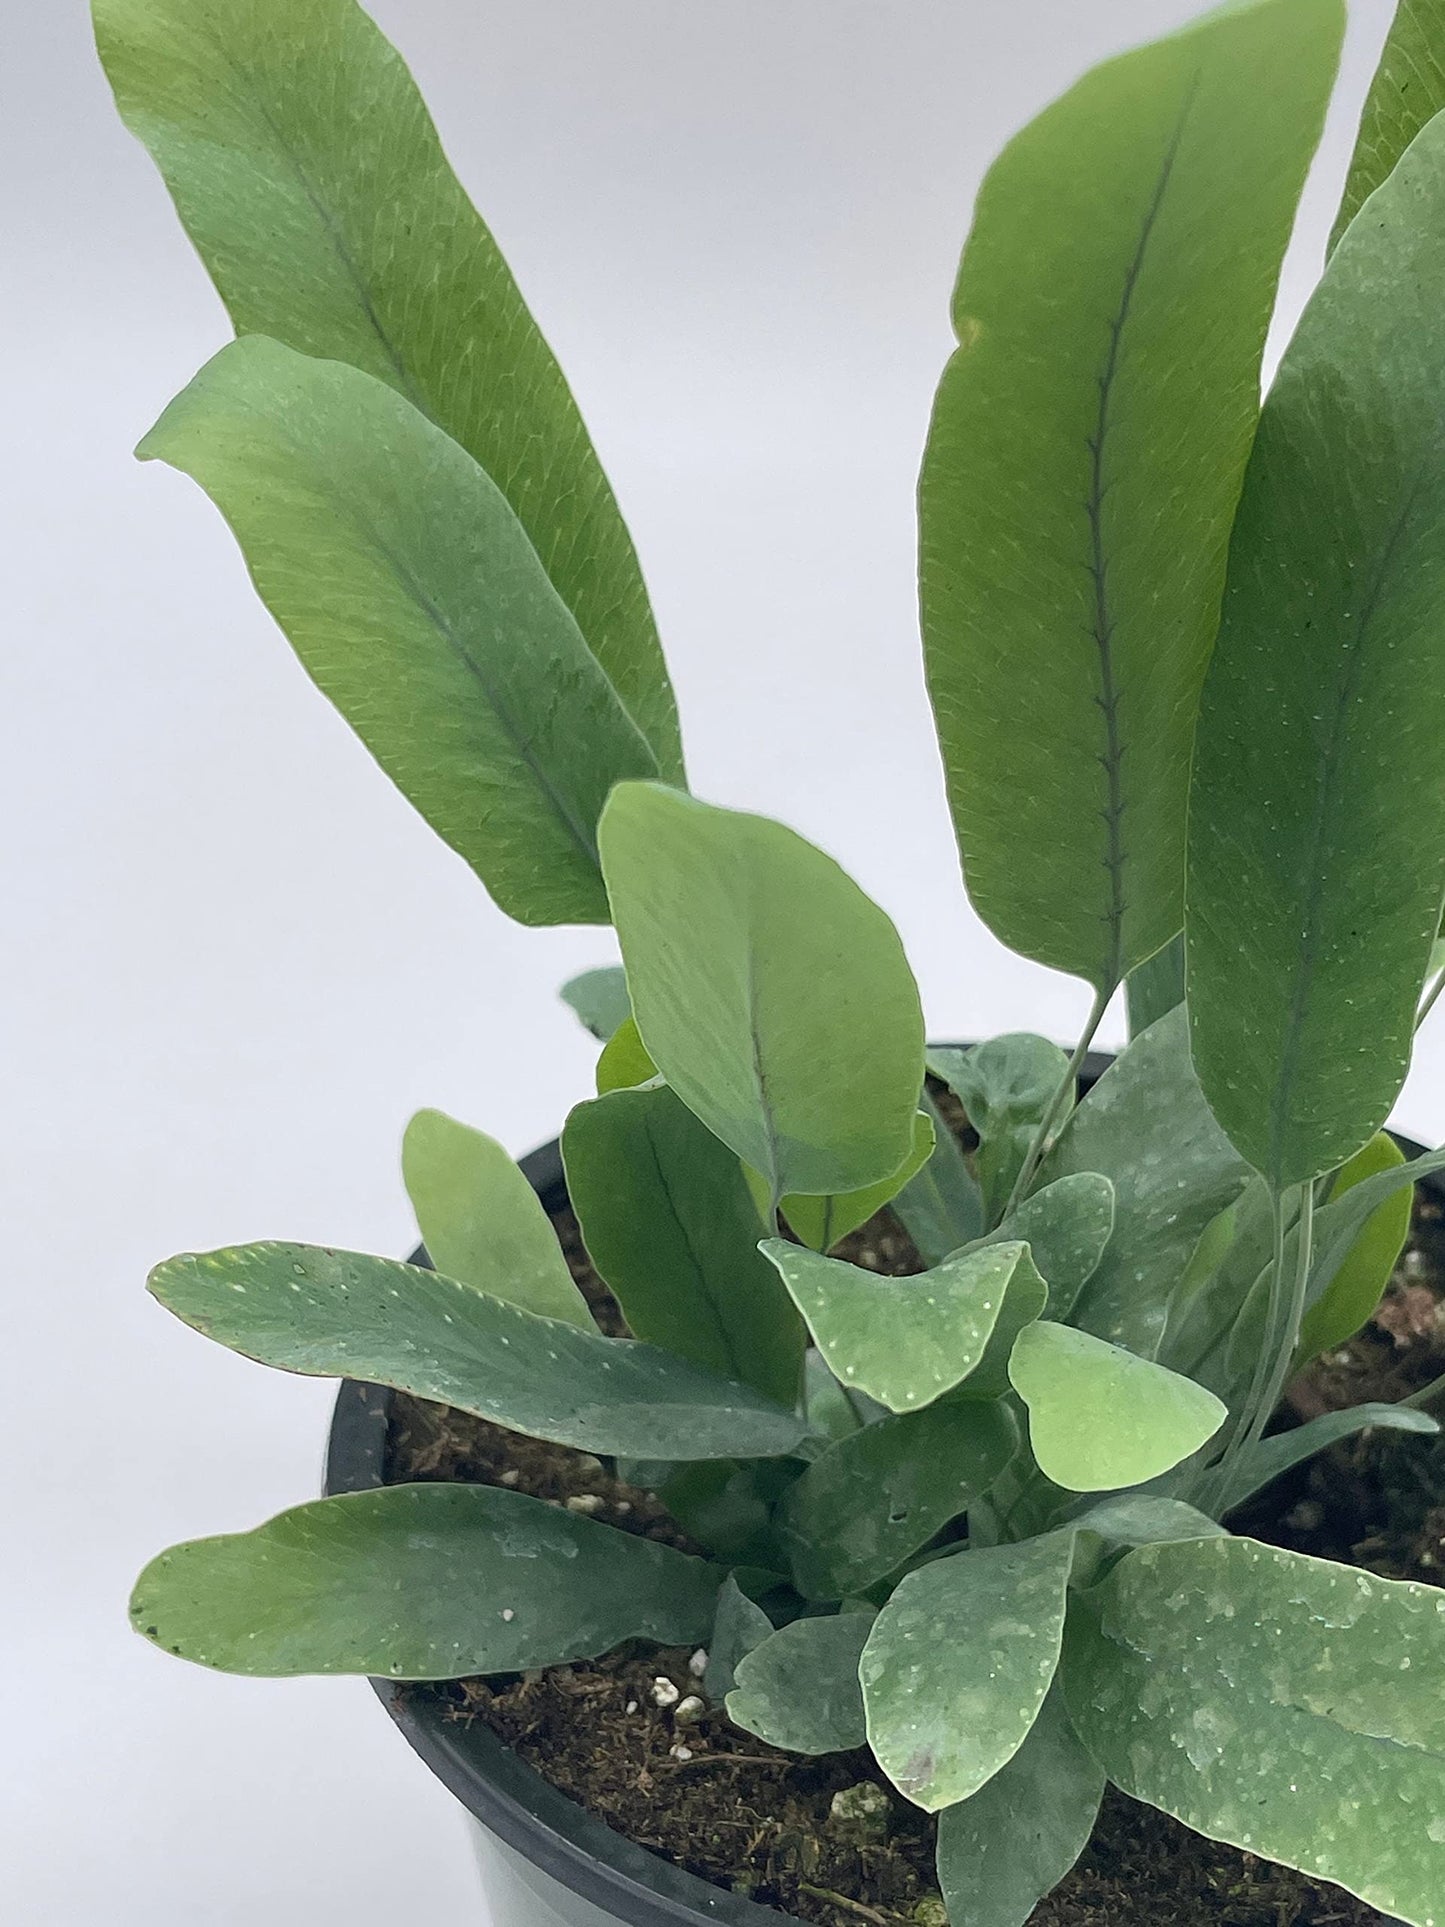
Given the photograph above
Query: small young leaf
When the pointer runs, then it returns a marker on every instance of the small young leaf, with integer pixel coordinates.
(1005, 1086)
(1013, 1841)
(1146, 1126)
(309, 175)
(1275, 1702)
(668, 1221)
(1100, 1418)
(624, 1062)
(821, 1221)
(1408, 90)
(1084, 462)
(410, 592)
(1067, 1227)
(959, 1662)
(481, 1221)
(600, 1000)
(1323, 707)
(337, 1314)
(773, 996)
(907, 1341)
(871, 1501)
(941, 1208)
(799, 1690)
(1359, 1284)
(1339, 1223)
(739, 1626)
(1260, 1464)
(431, 1581)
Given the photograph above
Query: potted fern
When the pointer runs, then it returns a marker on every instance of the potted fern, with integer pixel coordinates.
(878, 1420)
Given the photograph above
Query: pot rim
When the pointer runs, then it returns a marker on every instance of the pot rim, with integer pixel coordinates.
(509, 1798)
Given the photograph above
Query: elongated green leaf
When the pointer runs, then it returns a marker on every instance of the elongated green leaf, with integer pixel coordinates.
(1002, 1850)
(1156, 986)
(799, 1689)
(410, 592)
(821, 1221)
(1100, 1418)
(1324, 709)
(1408, 90)
(1084, 463)
(1259, 1465)
(1358, 1286)
(739, 1626)
(1275, 1702)
(941, 1208)
(1339, 1223)
(337, 1314)
(959, 1663)
(600, 1000)
(1146, 1126)
(773, 996)
(1067, 1227)
(879, 1495)
(907, 1341)
(308, 174)
(1005, 1086)
(481, 1221)
(668, 1221)
(420, 1582)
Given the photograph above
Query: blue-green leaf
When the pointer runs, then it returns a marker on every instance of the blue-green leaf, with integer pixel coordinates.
(773, 995)
(1013, 1841)
(1005, 1086)
(420, 1582)
(1280, 1703)
(417, 604)
(1085, 460)
(669, 1223)
(799, 1690)
(309, 175)
(873, 1499)
(599, 999)
(337, 1314)
(1323, 706)
(959, 1663)
(1146, 1126)
(907, 1341)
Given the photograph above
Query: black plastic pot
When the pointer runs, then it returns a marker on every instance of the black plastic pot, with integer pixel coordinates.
(547, 1862)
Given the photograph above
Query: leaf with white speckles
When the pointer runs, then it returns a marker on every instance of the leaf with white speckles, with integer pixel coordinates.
(1005, 1086)
(420, 1582)
(1146, 1126)
(339, 1314)
(1066, 1226)
(907, 1341)
(799, 1689)
(960, 1661)
(1324, 709)
(875, 1497)
(1283, 1704)
(1015, 1839)
(1100, 1418)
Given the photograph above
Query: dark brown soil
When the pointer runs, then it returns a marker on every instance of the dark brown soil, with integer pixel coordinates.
(711, 1798)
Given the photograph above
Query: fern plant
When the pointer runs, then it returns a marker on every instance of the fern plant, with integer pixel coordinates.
(1182, 650)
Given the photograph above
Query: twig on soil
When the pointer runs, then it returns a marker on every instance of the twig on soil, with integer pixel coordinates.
(848, 1906)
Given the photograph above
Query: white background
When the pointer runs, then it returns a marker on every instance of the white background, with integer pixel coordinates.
(235, 962)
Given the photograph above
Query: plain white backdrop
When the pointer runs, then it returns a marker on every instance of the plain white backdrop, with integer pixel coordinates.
(234, 961)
